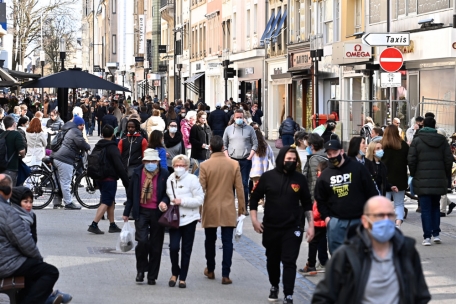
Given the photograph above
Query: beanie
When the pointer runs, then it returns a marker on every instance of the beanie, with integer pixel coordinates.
(78, 120)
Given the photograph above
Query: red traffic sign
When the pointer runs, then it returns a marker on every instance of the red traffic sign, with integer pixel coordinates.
(391, 60)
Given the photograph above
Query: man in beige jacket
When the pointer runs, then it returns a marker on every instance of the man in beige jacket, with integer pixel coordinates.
(218, 176)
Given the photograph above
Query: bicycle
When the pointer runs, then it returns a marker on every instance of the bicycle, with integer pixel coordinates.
(43, 179)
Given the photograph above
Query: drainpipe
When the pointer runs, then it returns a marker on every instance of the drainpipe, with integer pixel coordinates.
(265, 77)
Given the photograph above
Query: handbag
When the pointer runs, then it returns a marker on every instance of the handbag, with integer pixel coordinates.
(279, 143)
(171, 216)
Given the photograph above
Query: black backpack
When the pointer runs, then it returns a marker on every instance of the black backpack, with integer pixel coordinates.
(96, 164)
(57, 141)
(4, 160)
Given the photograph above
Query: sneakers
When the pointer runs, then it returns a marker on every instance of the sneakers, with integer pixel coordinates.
(288, 300)
(427, 242)
(307, 271)
(273, 294)
(59, 206)
(66, 297)
(114, 229)
(437, 240)
(450, 208)
(96, 230)
(72, 206)
(320, 268)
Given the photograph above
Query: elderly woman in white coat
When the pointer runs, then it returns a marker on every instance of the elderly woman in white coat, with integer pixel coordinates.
(185, 191)
(36, 143)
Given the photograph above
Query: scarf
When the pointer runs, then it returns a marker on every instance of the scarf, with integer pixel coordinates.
(148, 186)
(27, 217)
(172, 141)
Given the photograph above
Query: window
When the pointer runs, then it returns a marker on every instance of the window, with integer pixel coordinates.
(328, 21)
(248, 23)
(337, 21)
(114, 44)
(358, 12)
(233, 28)
(114, 6)
(255, 16)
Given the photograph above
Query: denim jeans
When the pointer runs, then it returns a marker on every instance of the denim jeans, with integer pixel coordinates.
(187, 235)
(287, 140)
(398, 199)
(430, 215)
(246, 166)
(227, 241)
(337, 231)
(88, 127)
(197, 172)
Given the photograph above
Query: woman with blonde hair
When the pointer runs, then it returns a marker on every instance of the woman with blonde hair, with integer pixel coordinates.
(395, 158)
(155, 122)
(375, 154)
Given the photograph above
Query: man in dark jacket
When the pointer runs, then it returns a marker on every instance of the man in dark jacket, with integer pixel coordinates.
(377, 265)
(65, 157)
(218, 120)
(110, 119)
(19, 254)
(147, 199)
(283, 221)
(256, 114)
(430, 162)
(113, 170)
(143, 114)
(132, 147)
(87, 116)
(287, 130)
(101, 111)
(341, 191)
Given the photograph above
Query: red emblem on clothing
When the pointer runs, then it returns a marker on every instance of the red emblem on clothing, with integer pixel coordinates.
(295, 187)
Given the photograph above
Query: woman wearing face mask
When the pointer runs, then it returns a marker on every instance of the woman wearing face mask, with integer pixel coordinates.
(174, 144)
(300, 141)
(375, 154)
(185, 191)
(147, 200)
(186, 125)
(357, 151)
(200, 136)
(156, 142)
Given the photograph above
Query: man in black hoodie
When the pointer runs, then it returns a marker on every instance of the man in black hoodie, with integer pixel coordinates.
(283, 221)
(341, 192)
(113, 170)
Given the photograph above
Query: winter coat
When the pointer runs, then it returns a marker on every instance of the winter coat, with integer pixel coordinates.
(188, 189)
(348, 271)
(72, 144)
(328, 135)
(185, 129)
(310, 170)
(318, 221)
(218, 176)
(55, 125)
(135, 188)
(288, 127)
(154, 123)
(199, 135)
(36, 145)
(132, 149)
(16, 243)
(113, 168)
(396, 165)
(109, 119)
(218, 120)
(430, 162)
(380, 178)
(257, 117)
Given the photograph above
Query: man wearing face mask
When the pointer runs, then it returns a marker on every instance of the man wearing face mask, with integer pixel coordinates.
(377, 265)
(341, 191)
(288, 204)
(218, 120)
(132, 147)
(240, 144)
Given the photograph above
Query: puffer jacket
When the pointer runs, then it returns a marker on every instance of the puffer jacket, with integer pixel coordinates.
(430, 162)
(16, 242)
(72, 144)
(288, 127)
(318, 222)
(154, 123)
(185, 129)
(310, 170)
(187, 188)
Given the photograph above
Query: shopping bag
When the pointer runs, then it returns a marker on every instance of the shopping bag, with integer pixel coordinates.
(240, 223)
(126, 239)
(170, 218)
(279, 143)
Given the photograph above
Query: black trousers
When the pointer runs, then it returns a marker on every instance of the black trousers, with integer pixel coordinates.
(319, 243)
(187, 235)
(227, 242)
(282, 245)
(149, 235)
(40, 278)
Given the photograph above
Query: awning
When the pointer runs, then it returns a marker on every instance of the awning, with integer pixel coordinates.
(193, 78)
(23, 75)
(268, 35)
(279, 27)
(5, 76)
(266, 29)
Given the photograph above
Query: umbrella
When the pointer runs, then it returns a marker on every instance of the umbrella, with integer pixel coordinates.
(74, 78)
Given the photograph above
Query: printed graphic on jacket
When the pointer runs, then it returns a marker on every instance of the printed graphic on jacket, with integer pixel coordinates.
(340, 184)
(295, 187)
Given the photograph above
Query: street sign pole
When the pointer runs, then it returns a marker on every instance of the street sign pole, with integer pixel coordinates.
(388, 28)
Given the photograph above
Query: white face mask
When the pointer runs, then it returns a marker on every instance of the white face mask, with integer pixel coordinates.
(226, 111)
(179, 171)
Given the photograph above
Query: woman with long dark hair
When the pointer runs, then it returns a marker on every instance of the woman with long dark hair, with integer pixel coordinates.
(156, 142)
(174, 143)
(357, 150)
(395, 158)
(200, 137)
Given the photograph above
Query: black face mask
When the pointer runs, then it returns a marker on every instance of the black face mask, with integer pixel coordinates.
(290, 166)
(335, 160)
(420, 126)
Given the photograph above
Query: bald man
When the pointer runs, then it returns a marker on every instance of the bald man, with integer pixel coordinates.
(378, 264)
(397, 123)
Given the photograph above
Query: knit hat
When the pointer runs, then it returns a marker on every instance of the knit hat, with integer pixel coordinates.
(78, 120)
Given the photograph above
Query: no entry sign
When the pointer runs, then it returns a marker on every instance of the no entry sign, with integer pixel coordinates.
(391, 60)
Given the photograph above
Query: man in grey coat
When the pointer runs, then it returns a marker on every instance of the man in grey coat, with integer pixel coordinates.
(19, 254)
(240, 144)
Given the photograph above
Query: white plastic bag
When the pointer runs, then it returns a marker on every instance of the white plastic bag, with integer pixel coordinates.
(126, 239)
(240, 223)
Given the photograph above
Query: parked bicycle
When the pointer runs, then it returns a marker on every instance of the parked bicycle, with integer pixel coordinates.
(43, 181)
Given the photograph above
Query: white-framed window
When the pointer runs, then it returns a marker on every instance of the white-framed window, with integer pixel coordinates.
(358, 14)
(233, 26)
(328, 20)
(255, 16)
(114, 44)
(248, 24)
(337, 24)
(114, 6)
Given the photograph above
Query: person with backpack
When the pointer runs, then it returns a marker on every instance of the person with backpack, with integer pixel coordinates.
(105, 166)
(132, 147)
(11, 146)
(366, 130)
(66, 146)
(287, 130)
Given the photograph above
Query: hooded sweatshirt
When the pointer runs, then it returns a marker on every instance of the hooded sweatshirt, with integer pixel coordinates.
(283, 193)
(114, 168)
(341, 192)
(239, 140)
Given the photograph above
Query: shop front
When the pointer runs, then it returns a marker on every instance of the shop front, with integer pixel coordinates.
(215, 87)
(250, 74)
(196, 83)
(278, 107)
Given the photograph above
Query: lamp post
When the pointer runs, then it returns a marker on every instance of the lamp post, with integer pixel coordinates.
(315, 55)
(146, 71)
(122, 72)
(225, 64)
(62, 47)
(42, 61)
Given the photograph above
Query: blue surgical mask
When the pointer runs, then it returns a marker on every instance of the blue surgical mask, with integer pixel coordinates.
(383, 230)
(379, 153)
(239, 121)
(150, 167)
(361, 153)
(309, 150)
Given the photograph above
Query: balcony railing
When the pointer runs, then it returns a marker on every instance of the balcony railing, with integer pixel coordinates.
(164, 3)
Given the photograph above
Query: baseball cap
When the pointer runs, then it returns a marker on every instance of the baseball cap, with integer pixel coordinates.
(218, 105)
(333, 144)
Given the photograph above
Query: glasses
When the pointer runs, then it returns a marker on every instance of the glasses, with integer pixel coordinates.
(380, 216)
(173, 126)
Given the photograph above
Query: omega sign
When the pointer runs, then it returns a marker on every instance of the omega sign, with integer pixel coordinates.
(357, 51)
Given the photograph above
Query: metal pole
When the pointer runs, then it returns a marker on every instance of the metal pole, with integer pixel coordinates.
(316, 88)
(93, 33)
(265, 77)
(388, 91)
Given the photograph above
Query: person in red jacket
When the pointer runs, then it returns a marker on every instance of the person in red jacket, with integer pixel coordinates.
(319, 242)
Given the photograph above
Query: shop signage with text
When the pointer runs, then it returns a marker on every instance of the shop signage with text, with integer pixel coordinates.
(357, 51)
(301, 60)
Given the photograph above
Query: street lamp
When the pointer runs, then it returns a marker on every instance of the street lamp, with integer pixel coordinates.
(315, 55)
(62, 47)
(146, 71)
(178, 84)
(226, 63)
(42, 61)
(122, 72)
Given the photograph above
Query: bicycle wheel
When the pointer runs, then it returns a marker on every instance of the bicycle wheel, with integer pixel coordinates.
(87, 195)
(43, 187)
